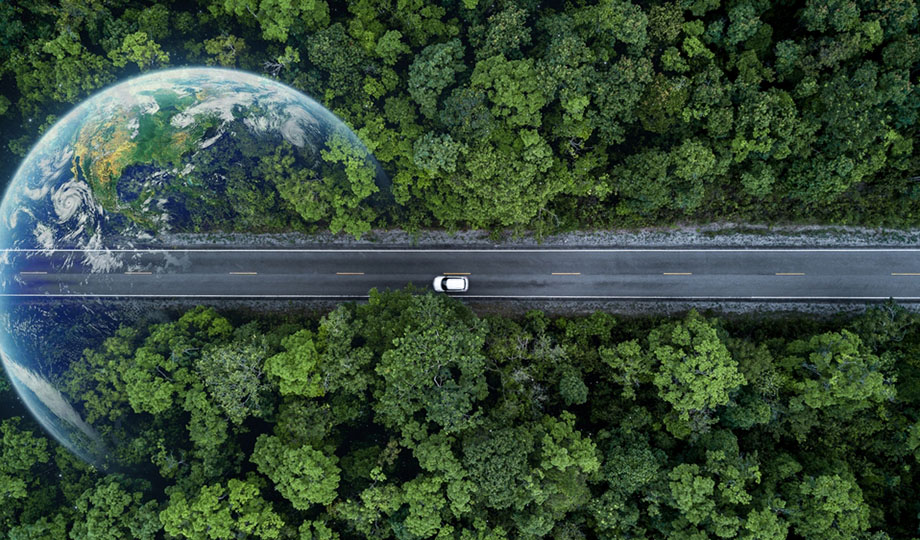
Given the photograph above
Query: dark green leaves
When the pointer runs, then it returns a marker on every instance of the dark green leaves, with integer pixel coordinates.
(409, 416)
(432, 71)
(435, 369)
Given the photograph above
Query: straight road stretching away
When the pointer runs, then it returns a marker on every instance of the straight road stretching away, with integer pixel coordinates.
(678, 274)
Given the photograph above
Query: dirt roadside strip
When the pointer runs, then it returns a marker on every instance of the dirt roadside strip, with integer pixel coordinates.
(711, 235)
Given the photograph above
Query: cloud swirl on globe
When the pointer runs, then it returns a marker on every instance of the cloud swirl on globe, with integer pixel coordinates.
(186, 151)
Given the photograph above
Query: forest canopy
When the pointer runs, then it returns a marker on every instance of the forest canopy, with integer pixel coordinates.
(410, 417)
(538, 115)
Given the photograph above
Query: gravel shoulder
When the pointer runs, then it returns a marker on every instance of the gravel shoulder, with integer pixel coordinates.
(712, 235)
(517, 308)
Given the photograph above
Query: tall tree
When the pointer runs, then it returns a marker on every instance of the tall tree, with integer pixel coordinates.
(435, 369)
(303, 475)
(223, 510)
(695, 372)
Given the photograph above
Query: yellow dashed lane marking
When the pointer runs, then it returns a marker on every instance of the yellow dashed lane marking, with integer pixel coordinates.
(790, 273)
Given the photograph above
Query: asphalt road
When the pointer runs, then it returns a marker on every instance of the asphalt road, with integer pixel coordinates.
(679, 274)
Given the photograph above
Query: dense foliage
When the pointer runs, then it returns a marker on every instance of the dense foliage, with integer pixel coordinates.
(410, 417)
(535, 114)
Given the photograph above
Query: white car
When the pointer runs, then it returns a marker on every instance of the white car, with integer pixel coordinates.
(451, 283)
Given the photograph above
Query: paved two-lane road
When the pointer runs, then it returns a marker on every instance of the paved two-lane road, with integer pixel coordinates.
(679, 274)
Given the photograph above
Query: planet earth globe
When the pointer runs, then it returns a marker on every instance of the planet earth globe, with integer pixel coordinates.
(181, 151)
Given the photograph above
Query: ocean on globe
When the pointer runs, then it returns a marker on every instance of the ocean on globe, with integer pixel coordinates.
(188, 151)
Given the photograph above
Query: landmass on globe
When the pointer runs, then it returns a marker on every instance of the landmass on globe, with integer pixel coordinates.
(189, 150)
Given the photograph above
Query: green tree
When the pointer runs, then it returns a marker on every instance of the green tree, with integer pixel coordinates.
(42, 529)
(497, 461)
(109, 512)
(678, 179)
(366, 513)
(57, 70)
(745, 21)
(835, 371)
(296, 185)
(432, 71)
(303, 475)
(466, 113)
(334, 51)
(631, 469)
(615, 91)
(513, 88)
(829, 506)
(435, 367)
(338, 195)
(664, 22)
(226, 50)
(765, 126)
(349, 186)
(632, 367)
(567, 459)
(504, 32)
(692, 493)
(223, 510)
(277, 18)
(390, 47)
(346, 368)
(695, 372)
(296, 367)
(426, 507)
(22, 453)
(499, 186)
(662, 102)
(437, 153)
(233, 375)
(765, 524)
(615, 21)
(154, 21)
(139, 49)
(572, 388)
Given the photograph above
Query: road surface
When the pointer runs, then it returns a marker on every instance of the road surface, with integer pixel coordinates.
(665, 274)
